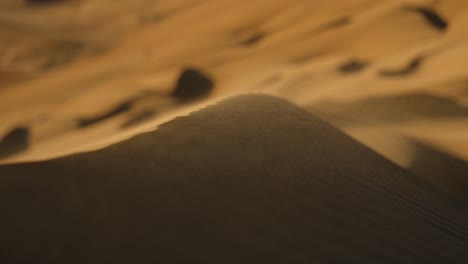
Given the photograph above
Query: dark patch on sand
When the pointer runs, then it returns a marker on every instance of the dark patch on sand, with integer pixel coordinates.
(254, 39)
(193, 84)
(14, 142)
(119, 109)
(412, 67)
(139, 119)
(432, 18)
(352, 66)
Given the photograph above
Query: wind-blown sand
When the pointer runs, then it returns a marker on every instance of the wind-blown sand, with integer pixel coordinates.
(253, 179)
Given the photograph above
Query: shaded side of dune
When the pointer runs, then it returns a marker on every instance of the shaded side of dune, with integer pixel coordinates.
(440, 168)
(391, 109)
(252, 179)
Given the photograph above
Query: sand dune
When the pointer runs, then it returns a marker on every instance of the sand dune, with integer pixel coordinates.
(228, 193)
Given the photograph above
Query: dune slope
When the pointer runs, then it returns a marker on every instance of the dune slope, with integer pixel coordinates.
(252, 179)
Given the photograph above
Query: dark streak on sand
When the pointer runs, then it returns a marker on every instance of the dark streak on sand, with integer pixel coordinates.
(432, 17)
(121, 108)
(352, 66)
(193, 84)
(254, 39)
(14, 142)
(412, 67)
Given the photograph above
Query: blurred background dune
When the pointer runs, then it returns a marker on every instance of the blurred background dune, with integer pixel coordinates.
(81, 74)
